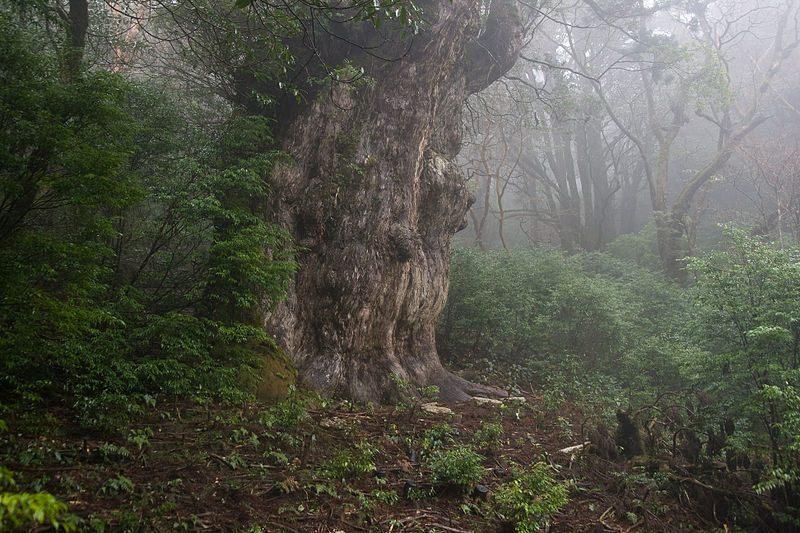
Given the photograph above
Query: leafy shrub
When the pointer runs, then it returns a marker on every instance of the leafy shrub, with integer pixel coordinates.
(488, 435)
(530, 500)
(117, 485)
(459, 467)
(586, 317)
(349, 464)
(580, 324)
(748, 320)
(639, 248)
(437, 437)
(135, 261)
(23, 510)
(286, 414)
(494, 301)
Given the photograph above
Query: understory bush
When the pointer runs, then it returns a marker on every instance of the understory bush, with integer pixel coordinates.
(709, 371)
(748, 320)
(585, 323)
(25, 510)
(135, 261)
(460, 466)
(531, 499)
(351, 464)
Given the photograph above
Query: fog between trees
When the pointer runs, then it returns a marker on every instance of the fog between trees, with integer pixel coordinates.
(617, 116)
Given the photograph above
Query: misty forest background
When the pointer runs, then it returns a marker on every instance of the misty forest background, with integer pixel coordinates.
(626, 189)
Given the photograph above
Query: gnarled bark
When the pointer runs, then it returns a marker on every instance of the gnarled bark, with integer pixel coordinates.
(374, 198)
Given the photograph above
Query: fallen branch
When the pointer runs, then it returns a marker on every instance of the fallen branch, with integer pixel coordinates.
(570, 449)
(446, 528)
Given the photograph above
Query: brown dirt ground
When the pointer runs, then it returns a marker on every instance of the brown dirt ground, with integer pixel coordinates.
(200, 471)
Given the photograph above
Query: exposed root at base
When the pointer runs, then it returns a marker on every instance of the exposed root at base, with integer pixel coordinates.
(453, 388)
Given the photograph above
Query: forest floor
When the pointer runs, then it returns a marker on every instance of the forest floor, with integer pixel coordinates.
(313, 465)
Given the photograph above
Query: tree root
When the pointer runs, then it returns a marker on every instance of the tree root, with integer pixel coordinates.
(453, 388)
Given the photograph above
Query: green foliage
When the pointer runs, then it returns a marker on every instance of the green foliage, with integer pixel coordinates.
(140, 438)
(530, 500)
(437, 437)
(386, 497)
(135, 262)
(348, 73)
(493, 302)
(24, 510)
(287, 414)
(748, 320)
(351, 464)
(459, 466)
(420, 493)
(411, 397)
(586, 326)
(111, 452)
(244, 436)
(785, 400)
(639, 248)
(369, 501)
(488, 435)
(117, 485)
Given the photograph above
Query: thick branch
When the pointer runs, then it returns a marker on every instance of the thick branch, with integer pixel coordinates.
(496, 50)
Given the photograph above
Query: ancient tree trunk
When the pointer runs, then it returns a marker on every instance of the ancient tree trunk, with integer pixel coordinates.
(374, 198)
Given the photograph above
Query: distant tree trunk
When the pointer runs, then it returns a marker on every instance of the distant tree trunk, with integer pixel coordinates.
(479, 213)
(590, 238)
(374, 197)
(604, 191)
(559, 160)
(630, 198)
(76, 24)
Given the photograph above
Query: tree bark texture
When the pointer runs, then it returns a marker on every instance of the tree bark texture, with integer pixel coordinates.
(372, 195)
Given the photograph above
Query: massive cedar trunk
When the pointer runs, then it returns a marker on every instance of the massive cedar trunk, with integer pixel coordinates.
(373, 196)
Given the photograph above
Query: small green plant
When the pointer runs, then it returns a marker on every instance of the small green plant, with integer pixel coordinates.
(403, 390)
(469, 508)
(236, 461)
(349, 464)
(193, 523)
(429, 393)
(531, 499)
(244, 436)
(368, 501)
(437, 437)
(406, 390)
(419, 493)
(176, 483)
(386, 497)
(565, 426)
(458, 467)
(69, 484)
(277, 458)
(140, 438)
(24, 510)
(164, 508)
(287, 414)
(488, 436)
(117, 485)
(325, 488)
(111, 452)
